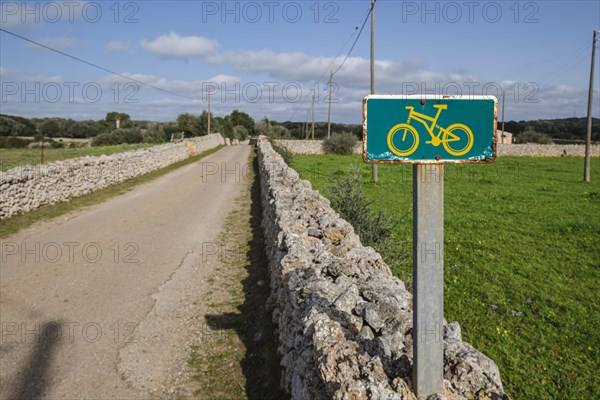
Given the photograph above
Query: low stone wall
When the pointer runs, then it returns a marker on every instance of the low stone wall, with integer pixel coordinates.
(309, 146)
(344, 321)
(27, 187)
(546, 150)
(530, 149)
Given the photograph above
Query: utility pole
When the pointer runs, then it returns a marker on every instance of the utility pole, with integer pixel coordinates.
(588, 141)
(313, 118)
(306, 133)
(502, 137)
(374, 170)
(209, 111)
(329, 112)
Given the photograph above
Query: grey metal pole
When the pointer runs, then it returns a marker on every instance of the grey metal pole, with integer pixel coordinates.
(588, 141)
(209, 112)
(329, 112)
(313, 118)
(374, 169)
(428, 278)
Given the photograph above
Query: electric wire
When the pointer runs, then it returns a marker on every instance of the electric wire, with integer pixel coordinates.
(362, 26)
(96, 65)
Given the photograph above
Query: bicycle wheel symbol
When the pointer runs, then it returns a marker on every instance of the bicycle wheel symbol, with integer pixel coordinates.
(457, 139)
(407, 141)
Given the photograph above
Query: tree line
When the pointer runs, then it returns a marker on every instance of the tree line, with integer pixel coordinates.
(239, 125)
(117, 128)
(107, 131)
(548, 130)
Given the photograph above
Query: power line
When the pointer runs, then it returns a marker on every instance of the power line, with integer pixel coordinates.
(357, 37)
(96, 65)
(328, 67)
(566, 64)
(362, 26)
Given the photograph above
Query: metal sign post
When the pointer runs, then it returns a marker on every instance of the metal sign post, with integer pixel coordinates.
(428, 278)
(428, 132)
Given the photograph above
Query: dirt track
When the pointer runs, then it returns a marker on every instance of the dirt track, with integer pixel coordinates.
(101, 303)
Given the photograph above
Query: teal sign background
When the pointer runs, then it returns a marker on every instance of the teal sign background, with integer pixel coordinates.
(385, 123)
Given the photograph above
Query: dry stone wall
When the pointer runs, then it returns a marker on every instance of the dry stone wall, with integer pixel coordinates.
(344, 321)
(27, 187)
(530, 149)
(546, 150)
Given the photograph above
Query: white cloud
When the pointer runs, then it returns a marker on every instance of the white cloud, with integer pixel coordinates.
(222, 78)
(174, 46)
(117, 46)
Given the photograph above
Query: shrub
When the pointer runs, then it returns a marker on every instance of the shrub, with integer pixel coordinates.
(531, 136)
(287, 155)
(347, 198)
(9, 142)
(240, 132)
(340, 143)
(56, 145)
(118, 136)
(154, 133)
(280, 132)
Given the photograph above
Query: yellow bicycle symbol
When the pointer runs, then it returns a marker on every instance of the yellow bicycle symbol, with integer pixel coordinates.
(451, 136)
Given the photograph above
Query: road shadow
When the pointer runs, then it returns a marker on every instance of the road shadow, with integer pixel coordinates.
(33, 380)
(254, 326)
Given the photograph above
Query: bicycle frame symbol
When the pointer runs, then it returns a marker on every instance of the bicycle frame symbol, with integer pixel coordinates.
(452, 137)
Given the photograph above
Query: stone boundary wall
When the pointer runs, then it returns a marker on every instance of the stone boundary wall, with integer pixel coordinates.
(530, 149)
(309, 146)
(344, 321)
(28, 187)
(546, 150)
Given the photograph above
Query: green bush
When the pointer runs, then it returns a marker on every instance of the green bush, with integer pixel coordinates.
(347, 198)
(287, 155)
(9, 142)
(531, 136)
(154, 133)
(240, 132)
(340, 143)
(54, 144)
(119, 136)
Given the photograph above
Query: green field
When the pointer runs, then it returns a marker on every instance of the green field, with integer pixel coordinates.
(10, 158)
(522, 262)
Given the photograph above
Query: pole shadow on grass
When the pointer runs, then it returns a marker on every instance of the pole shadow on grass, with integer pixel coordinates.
(253, 324)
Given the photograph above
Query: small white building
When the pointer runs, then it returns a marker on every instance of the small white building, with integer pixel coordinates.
(503, 137)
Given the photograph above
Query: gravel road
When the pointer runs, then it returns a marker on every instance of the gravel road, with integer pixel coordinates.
(102, 303)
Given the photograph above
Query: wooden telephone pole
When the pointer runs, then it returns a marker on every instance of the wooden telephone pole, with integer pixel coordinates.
(588, 141)
(209, 112)
(329, 112)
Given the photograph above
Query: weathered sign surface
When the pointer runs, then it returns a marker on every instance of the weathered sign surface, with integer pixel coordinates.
(429, 129)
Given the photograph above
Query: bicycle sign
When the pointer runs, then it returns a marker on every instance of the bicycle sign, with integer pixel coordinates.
(429, 128)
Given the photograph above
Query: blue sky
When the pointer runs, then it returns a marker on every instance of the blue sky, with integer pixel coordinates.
(268, 58)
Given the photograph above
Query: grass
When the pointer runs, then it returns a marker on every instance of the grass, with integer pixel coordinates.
(15, 223)
(522, 262)
(237, 358)
(10, 158)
